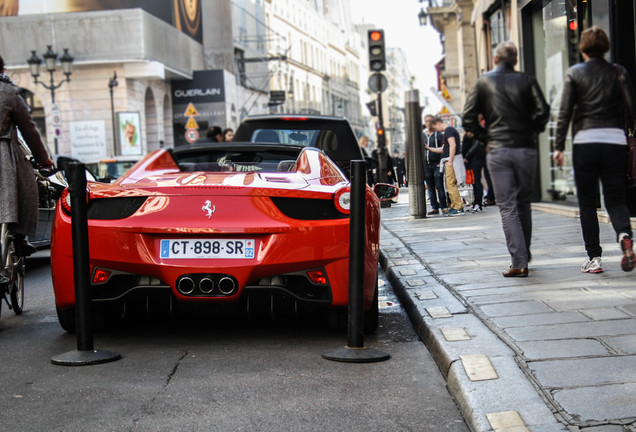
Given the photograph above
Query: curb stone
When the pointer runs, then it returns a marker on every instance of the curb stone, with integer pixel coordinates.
(419, 291)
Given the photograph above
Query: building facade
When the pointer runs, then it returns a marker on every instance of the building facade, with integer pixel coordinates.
(547, 34)
(172, 68)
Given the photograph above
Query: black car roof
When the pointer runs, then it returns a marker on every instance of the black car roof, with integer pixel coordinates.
(214, 145)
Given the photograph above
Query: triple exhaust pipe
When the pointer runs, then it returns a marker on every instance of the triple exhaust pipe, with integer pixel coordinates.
(214, 285)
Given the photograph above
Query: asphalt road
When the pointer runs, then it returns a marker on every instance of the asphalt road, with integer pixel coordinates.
(215, 375)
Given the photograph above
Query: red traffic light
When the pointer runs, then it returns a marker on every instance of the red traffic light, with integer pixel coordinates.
(380, 131)
(375, 36)
(573, 24)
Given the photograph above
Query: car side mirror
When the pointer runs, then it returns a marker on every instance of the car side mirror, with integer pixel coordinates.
(385, 192)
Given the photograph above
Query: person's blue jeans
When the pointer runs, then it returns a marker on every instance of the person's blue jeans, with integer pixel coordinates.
(435, 184)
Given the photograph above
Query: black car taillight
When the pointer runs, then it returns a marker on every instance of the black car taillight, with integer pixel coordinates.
(114, 208)
(308, 208)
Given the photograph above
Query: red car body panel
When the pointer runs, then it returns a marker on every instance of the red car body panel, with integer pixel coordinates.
(243, 209)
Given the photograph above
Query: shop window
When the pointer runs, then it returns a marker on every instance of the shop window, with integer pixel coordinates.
(496, 27)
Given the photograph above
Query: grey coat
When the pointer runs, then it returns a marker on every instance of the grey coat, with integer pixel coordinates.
(18, 192)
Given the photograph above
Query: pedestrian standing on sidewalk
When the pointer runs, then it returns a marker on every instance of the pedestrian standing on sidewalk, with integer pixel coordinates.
(451, 162)
(592, 93)
(19, 193)
(474, 152)
(515, 112)
(434, 176)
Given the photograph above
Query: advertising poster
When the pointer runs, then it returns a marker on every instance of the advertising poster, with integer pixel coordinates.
(185, 15)
(198, 104)
(88, 140)
(129, 125)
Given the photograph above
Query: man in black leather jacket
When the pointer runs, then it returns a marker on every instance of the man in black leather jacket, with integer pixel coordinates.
(515, 112)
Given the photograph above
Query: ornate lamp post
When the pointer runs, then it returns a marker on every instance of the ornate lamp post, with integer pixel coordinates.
(112, 83)
(50, 58)
(423, 17)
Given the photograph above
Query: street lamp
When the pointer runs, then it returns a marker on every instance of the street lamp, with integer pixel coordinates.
(112, 83)
(50, 58)
(423, 15)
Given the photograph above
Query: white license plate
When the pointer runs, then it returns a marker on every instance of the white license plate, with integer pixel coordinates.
(208, 248)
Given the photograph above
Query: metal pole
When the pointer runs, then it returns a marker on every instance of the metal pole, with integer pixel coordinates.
(81, 263)
(355, 351)
(85, 353)
(382, 162)
(415, 167)
(356, 255)
(53, 103)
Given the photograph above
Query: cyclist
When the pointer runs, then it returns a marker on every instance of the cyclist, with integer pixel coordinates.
(19, 193)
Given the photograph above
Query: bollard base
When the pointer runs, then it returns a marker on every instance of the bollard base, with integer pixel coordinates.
(356, 355)
(84, 358)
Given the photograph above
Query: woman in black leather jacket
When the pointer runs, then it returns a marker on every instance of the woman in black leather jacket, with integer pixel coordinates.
(592, 93)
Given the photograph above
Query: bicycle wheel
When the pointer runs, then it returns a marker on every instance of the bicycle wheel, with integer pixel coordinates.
(17, 283)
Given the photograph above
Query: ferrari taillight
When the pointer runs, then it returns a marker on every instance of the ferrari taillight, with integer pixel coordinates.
(65, 199)
(342, 200)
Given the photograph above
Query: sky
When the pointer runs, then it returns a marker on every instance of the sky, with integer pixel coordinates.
(401, 27)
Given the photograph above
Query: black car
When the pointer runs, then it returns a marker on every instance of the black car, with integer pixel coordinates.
(333, 135)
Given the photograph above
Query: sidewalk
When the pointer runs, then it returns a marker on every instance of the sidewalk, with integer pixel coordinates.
(552, 352)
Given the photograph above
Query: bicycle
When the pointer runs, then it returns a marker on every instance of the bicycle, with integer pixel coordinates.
(11, 273)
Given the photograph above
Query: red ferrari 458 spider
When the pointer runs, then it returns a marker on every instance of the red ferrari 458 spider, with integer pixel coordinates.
(219, 223)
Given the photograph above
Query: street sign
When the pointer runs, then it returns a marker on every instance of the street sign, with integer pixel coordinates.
(191, 111)
(276, 97)
(56, 116)
(192, 135)
(377, 82)
(192, 124)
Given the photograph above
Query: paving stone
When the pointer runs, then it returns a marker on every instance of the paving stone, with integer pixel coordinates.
(424, 295)
(630, 308)
(586, 372)
(407, 272)
(622, 344)
(539, 319)
(515, 308)
(541, 350)
(602, 403)
(599, 314)
(589, 301)
(574, 330)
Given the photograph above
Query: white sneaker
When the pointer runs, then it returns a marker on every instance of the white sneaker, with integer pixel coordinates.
(477, 208)
(593, 266)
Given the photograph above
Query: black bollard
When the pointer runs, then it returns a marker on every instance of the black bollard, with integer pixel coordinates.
(355, 351)
(85, 353)
(415, 155)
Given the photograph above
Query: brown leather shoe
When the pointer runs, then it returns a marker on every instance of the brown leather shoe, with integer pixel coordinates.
(515, 272)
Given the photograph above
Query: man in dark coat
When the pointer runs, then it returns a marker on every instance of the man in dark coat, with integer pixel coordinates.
(19, 192)
(515, 112)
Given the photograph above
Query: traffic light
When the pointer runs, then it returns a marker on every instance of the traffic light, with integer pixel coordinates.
(377, 54)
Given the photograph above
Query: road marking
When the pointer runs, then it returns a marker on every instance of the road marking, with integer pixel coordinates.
(478, 367)
(453, 334)
(507, 421)
(439, 312)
